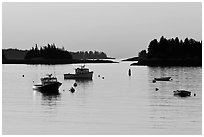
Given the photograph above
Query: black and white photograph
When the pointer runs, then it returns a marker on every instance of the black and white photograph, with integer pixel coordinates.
(101, 68)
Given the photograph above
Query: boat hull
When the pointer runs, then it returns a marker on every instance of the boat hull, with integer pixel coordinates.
(49, 88)
(163, 79)
(79, 76)
(182, 93)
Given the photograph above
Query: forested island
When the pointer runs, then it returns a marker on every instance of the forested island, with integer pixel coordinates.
(50, 54)
(171, 52)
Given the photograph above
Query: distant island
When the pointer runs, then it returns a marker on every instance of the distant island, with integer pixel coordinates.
(171, 52)
(50, 54)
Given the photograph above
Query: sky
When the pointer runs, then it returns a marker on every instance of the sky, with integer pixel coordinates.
(120, 29)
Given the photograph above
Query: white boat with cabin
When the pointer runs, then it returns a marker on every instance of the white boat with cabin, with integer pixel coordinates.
(49, 84)
(80, 73)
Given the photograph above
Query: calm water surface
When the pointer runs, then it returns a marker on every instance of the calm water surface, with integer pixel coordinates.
(117, 104)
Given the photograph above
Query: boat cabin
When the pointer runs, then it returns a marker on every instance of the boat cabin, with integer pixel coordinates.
(81, 70)
(48, 80)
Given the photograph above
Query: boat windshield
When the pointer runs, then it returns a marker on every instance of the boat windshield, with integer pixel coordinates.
(48, 79)
(79, 70)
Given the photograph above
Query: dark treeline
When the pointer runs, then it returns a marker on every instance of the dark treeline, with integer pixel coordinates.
(48, 52)
(52, 52)
(172, 51)
(14, 53)
(173, 48)
(3, 56)
(88, 55)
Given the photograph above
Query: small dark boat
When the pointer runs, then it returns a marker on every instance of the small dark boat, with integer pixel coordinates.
(49, 84)
(163, 79)
(182, 93)
(75, 84)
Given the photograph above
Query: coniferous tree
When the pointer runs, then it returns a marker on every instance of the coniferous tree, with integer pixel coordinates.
(173, 48)
(48, 52)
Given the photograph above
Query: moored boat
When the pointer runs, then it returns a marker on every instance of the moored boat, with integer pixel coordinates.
(49, 84)
(182, 93)
(163, 79)
(80, 73)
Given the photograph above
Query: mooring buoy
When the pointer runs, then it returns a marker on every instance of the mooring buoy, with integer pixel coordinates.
(72, 90)
(75, 84)
(129, 72)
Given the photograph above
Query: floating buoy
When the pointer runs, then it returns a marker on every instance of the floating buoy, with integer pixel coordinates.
(129, 72)
(72, 90)
(194, 94)
(22, 75)
(102, 77)
(156, 89)
(75, 84)
(98, 75)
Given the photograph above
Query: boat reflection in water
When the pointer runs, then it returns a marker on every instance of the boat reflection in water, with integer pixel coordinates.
(84, 87)
(83, 82)
(48, 99)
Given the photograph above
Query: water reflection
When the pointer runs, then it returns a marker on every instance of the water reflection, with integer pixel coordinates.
(77, 86)
(119, 104)
(48, 99)
(84, 82)
(165, 110)
(184, 78)
(84, 86)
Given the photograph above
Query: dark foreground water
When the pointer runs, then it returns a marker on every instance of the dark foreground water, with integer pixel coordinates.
(117, 104)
